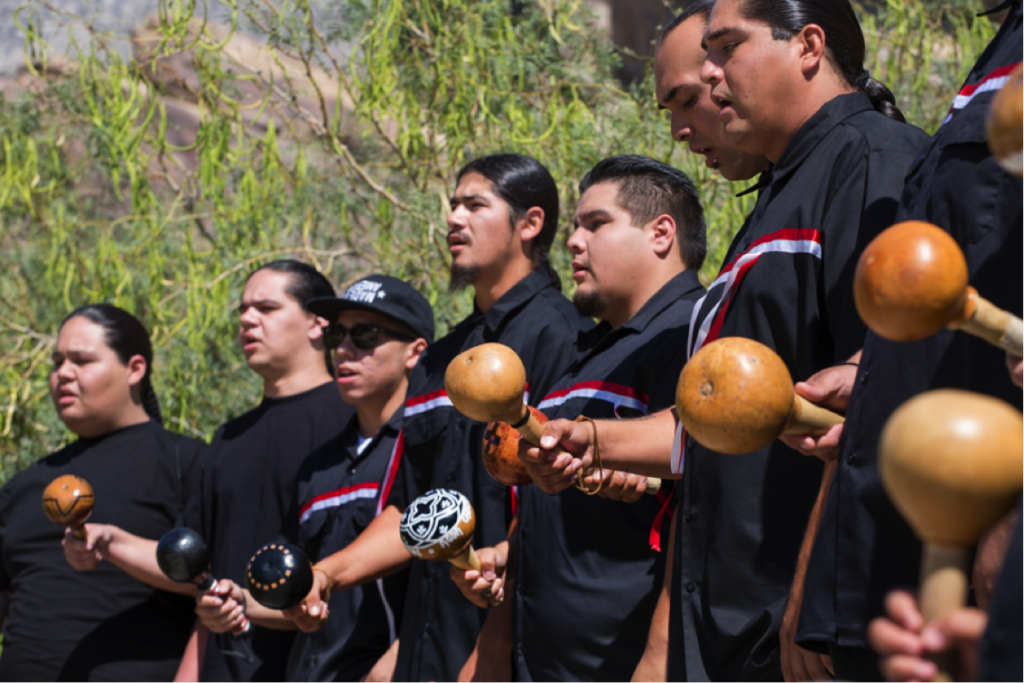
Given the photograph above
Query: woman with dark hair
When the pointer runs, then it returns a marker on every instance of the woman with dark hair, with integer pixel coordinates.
(60, 624)
(249, 471)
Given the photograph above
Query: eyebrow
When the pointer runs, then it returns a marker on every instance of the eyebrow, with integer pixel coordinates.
(257, 302)
(591, 215)
(465, 198)
(715, 35)
(669, 96)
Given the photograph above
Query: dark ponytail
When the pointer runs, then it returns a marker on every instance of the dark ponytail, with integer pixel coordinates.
(304, 283)
(523, 183)
(126, 337)
(844, 40)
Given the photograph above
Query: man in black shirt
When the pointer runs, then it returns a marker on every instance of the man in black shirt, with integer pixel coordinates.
(588, 569)
(864, 549)
(380, 327)
(503, 219)
(248, 472)
(786, 282)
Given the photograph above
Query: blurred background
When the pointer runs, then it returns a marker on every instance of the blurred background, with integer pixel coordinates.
(154, 152)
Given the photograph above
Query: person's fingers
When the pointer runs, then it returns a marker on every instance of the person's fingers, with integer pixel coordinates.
(826, 661)
(889, 638)
(798, 666)
(787, 666)
(907, 668)
(962, 626)
(902, 607)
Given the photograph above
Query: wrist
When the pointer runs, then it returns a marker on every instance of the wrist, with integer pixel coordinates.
(328, 581)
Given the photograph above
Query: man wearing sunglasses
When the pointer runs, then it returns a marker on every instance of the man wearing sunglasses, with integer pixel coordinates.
(504, 215)
(376, 334)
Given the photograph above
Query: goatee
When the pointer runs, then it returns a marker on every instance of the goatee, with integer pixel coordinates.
(590, 304)
(460, 277)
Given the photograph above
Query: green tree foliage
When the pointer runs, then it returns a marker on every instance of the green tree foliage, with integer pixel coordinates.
(347, 164)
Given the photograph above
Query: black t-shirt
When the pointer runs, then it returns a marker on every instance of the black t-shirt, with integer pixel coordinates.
(69, 625)
(999, 654)
(587, 578)
(863, 548)
(787, 283)
(442, 450)
(339, 490)
(248, 486)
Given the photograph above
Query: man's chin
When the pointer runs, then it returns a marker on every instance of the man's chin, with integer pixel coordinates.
(461, 276)
(589, 302)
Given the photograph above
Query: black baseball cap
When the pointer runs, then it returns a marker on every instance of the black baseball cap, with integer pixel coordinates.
(381, 294)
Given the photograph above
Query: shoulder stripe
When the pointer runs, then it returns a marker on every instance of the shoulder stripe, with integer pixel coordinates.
(616, 394)
(337, 498)
(787, 241)
(993, 81)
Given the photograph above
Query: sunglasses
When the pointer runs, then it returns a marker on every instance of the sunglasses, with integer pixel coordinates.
(364, 336)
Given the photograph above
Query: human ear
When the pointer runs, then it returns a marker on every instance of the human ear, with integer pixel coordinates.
(663, 235)
(810, 43)
(531, 224)
(413, 352)
(136, 370)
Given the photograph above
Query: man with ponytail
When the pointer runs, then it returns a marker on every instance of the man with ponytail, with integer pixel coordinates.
(789, 83)
(503, 219)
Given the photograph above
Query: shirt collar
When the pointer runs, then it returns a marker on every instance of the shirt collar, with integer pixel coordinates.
(673, 290)
(831, 114)
(513, 299)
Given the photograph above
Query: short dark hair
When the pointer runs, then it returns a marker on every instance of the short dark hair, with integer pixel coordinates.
(701, 7)
(844, 40)
(305, 283)
(522, 182)
(126, 337)
(648, 188)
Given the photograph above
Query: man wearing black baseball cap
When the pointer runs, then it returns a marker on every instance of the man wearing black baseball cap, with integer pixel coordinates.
(376, 332)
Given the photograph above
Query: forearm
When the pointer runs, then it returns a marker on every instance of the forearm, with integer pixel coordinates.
(136, 556)
(266, 617)
(192, 658)
(641, 445)
(376, 553)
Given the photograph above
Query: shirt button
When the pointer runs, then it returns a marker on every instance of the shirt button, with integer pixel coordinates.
(851, 458)
(352, 471)
(426, 627)
(690, 587)
(864, 378)
(690, 516)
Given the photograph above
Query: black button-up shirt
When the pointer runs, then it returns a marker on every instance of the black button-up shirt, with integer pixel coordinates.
(864, 548)
(442, 450)
(587, 578)
(338, 495)
(787, 283)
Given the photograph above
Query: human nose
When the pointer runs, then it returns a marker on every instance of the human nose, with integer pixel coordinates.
(576, 242)
(64, 371)
(457, 218)
(711, 72)
(681, 129)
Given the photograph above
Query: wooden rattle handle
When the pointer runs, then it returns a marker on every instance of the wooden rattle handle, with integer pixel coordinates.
(466, 559)
(992, 324)
(808, 419)
(79, 532)
(943, 590)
